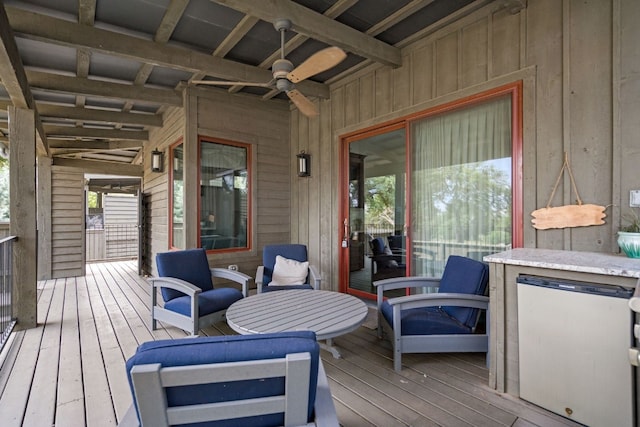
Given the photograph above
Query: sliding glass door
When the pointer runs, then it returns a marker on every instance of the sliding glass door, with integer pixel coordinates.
(461, 185)
(376, 213)
(443, 182)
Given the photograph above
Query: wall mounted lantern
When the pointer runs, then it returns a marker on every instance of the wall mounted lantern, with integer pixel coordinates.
(157, 161)
(304, 164)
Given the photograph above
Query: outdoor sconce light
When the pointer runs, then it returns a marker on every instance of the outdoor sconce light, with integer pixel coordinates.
(157, 161)
(304, 164)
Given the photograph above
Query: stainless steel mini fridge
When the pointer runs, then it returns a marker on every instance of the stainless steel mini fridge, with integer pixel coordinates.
(573, 349)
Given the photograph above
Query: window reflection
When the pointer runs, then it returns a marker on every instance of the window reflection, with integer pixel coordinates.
(224, 195)
(177, 192)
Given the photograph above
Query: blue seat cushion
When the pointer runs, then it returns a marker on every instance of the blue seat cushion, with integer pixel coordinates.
(190, 265)
(425, 321)
(208, 302)
(233, 348)
(290, 251)
(464, 276)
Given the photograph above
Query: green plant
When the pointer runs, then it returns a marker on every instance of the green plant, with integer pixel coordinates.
(633, 220)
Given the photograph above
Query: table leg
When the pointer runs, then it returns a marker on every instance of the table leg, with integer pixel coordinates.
(328, 345)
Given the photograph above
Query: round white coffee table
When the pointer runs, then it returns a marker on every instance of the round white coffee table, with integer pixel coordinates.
(328, 314)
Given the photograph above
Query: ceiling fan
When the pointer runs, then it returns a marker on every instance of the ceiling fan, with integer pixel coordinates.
(285, 75)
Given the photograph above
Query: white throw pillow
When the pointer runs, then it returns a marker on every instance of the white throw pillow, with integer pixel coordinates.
(289, 272)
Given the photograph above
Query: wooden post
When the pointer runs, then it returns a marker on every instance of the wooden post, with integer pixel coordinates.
(44, 218)
(23, 208)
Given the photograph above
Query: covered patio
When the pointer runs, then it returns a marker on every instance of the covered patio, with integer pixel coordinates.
(69, 370)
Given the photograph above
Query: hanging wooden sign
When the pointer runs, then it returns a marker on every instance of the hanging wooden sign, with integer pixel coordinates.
(567, 216)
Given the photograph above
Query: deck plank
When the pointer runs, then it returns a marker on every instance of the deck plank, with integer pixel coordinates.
(422, 395)
(42, 397)
(74, 361)
(70, 398)
(15, 395)
(97, 395)
(112, 353)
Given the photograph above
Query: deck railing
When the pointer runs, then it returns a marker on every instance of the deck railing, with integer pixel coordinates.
(7, 321)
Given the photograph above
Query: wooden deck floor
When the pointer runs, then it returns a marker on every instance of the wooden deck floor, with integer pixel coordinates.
(69, 371)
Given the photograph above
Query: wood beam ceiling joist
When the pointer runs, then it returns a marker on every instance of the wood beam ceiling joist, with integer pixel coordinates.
(74, 132)
(69, 84)
(317, 26)
(48, 29)
(170, 20)
(86, 16)
(238, 32)
(14, 78)
(93, 115)
(98, 167)
(55, 143)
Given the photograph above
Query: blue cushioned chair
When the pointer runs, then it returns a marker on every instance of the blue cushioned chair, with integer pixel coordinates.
(439, 322)
(191, 302)
(291, 251)
(384, 263)
(250, 380)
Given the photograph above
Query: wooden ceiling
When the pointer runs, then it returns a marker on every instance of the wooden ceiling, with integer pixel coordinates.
(100, 73)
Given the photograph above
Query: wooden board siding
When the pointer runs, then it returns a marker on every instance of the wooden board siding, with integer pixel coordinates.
(575, 100)
(215, 113)
(67, 222)
(265, 127)
(156, 186)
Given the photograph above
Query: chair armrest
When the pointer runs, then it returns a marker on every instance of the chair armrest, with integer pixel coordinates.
(437, 300)
(176, 284)
(259, 278)
(403, 282)
(314, 278)
(234, 276)
(407, 282)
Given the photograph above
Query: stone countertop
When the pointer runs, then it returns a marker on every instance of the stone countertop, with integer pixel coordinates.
(585, 262)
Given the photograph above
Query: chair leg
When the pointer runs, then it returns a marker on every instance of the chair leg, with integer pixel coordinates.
(397, 352)
(154, 322)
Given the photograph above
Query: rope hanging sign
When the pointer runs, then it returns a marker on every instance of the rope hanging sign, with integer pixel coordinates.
(579, 215)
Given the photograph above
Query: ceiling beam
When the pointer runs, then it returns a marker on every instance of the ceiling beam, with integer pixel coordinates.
(107, 168)
(238, 32)
(317, 26)
(170, 20)
(94, 145)
(70, 131)
(399, 15)
(93, 115)
(86, 16)
(60, 83)
(14, 79)
(46, 28)
(106, 156)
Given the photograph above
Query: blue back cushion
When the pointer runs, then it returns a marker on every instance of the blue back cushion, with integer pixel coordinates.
(377, 246)
(190, 265)
(290, 251)
(464, 276)
(233, 348)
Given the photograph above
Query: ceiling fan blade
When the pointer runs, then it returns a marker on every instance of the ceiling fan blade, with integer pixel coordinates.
(227, 83)
(317, 63)
(303, 103)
